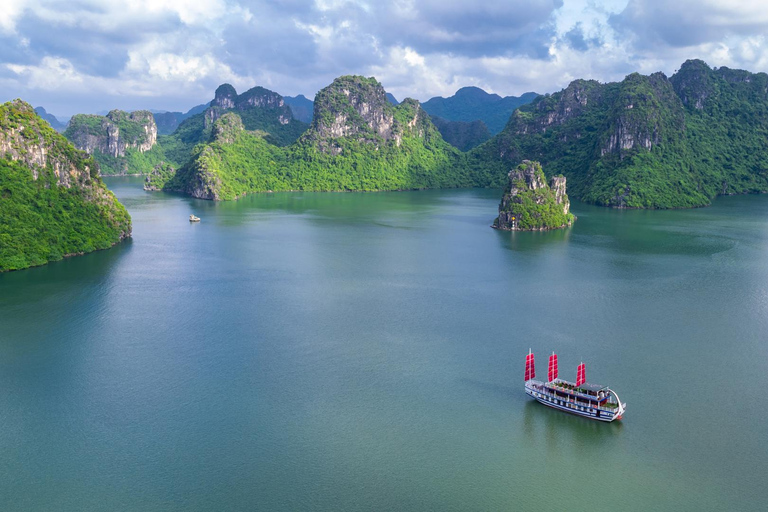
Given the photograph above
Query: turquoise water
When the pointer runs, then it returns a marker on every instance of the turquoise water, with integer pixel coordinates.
(311, 351)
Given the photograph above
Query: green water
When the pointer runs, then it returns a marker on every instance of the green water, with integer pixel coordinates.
(314, 351)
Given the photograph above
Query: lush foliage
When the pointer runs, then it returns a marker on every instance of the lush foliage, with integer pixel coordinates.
(40, 219)
(177, 149)
(85, 123)
(39, 224)
(92, 132)
(415, 156)
(532, 209)
(646, 142)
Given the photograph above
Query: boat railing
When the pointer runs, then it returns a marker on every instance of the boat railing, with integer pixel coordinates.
(573, 400)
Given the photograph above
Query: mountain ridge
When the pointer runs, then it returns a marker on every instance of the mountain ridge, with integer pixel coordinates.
(358, 140)
(645, 142)
(473, 103)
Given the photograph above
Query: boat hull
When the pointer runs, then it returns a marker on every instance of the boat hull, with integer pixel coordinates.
(571, 407)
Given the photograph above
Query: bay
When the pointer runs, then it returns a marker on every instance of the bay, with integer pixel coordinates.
(328, 351)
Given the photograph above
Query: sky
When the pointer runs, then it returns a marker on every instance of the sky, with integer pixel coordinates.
(87, 56)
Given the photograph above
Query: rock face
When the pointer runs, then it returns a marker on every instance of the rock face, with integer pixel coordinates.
(112, 136)
(355, 108)
(530, 204)
(644, 142)
(25, 143)
(226, 98)
(358, 141)
(53, 201)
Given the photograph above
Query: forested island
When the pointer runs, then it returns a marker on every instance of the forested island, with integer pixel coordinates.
(53, 203)
(644, 142)
(530, 203)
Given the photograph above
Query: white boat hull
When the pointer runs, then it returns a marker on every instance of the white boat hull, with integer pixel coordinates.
(600, 414)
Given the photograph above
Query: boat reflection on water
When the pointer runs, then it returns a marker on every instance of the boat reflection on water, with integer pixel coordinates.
(562, 431)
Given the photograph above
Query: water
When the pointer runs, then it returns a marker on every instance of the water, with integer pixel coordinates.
(365, 352)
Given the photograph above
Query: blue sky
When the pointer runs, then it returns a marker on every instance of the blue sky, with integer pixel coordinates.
(86, 55)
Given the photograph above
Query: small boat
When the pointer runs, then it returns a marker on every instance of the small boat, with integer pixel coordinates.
(580, 398)
(192, 218)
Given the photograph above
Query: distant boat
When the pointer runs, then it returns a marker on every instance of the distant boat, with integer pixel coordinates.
(192, 218)
(588, 400)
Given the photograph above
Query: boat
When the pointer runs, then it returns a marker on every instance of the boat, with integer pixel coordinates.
(192, 218)
(580, 398)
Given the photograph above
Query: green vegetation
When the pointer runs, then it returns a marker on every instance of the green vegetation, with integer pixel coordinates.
(86, 123)
(278, 134)
(132, 126)
(45, 216)
(403, 151)
(258, 108)
(530, 204)
(115, 140)
(646, 142)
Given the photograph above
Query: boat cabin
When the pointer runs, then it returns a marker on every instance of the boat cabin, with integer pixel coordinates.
(590, 394)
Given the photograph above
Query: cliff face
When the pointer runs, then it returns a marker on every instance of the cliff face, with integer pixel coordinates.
(644, 142)
(226, 98)
(113, 136)
(354, 108)
(34, 148)
(114, 133)
(645, 113)
(530, 204)
(53, 201)
(358, 141)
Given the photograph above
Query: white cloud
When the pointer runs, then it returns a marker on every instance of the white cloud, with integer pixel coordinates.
(92, 55)
(53, 73)
(9, 13)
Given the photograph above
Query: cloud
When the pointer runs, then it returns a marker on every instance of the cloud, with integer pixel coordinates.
(88, 55)
(686, 23)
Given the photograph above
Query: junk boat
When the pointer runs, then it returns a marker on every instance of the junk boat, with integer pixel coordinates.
(589, 400)
(192, 218)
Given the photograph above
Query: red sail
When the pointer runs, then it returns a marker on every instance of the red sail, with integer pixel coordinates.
(530, 368)
(581, 375)
(552, 367)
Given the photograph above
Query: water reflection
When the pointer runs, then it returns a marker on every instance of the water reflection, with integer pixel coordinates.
(531, 241)
(561, 429)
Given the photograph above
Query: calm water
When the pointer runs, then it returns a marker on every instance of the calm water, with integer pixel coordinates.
(365, 352)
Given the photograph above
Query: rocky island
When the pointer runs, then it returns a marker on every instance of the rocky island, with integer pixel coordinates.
(358, 141)
(645, 142)
(119, 141)
(53, 203)
(530, 204)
